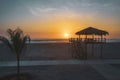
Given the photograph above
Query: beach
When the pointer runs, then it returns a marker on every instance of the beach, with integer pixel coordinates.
(59, 51)
(109, 51)
(38, 51)
(62, 70)
(58, 72)
(51, 61)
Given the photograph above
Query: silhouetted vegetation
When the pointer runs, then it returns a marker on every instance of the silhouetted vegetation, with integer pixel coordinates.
(16, 44)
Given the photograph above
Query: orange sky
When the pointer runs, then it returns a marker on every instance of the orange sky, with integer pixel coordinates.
(54, 19)
(57, 27)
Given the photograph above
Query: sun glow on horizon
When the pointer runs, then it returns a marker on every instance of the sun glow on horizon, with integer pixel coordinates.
(66, 35)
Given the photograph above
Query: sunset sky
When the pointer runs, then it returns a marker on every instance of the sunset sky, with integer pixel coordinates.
(59, 18)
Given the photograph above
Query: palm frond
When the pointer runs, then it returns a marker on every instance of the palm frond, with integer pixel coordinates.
(17, 40)
(19, 31)
(25, 39)
(6, 42)
(10, 33)
(16, 44)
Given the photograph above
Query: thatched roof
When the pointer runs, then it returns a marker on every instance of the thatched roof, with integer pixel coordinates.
(91, 31)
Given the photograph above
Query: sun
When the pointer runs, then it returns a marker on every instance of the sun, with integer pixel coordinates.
(66, 35)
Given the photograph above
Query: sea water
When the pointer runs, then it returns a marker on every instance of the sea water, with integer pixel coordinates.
(66, 41)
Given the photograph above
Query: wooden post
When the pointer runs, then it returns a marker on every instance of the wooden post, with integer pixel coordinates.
(101, 46)
(86, 47)
(86, 36)
(93, 45)
(86, 51)
(79, 37)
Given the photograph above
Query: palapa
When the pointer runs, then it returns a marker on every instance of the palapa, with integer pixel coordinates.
(92, 31)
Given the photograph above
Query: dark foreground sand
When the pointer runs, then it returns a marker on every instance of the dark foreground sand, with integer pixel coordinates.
(60, 72)
(39, 51)
(116, 65)
(59, 51)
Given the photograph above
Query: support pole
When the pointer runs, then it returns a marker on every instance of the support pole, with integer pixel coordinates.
(86, 47)
(92, 45)
(79, 37)
(101, 46)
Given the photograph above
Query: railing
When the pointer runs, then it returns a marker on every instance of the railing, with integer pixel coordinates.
(88, 40)
(77, 48)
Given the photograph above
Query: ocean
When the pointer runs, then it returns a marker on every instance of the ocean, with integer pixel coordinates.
(65, 41)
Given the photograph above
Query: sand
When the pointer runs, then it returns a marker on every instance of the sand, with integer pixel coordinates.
(58, 72)
(109, 51)
(58, 51)
(39, 51)
(116, 65)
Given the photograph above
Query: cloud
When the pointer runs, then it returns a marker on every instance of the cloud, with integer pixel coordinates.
(33, 12)
(37, 11)
(49, 11)
(46, 9)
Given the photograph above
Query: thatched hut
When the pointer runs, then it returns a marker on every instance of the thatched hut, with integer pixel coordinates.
(93, 31)
(90, 31)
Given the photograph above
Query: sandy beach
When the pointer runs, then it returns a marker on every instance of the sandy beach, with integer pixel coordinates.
(59, 51)
(61, 72)
(39, 51)
(109, 51)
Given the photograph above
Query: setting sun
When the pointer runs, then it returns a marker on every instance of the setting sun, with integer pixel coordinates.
(66, 35)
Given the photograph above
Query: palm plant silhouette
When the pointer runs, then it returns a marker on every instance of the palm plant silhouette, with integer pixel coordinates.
(16, 44)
